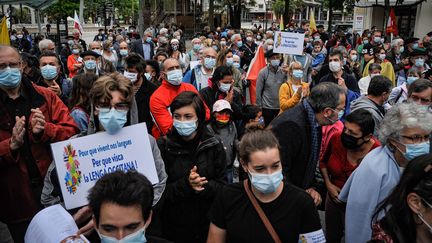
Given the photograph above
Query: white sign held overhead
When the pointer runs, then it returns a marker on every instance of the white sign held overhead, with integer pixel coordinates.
(80, 162)
(288, 43)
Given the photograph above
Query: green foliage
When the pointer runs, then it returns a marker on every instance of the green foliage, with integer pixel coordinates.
(62, 8)
(336, 4)
(279, 7)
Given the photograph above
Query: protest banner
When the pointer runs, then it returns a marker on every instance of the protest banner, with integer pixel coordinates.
(288, 43)
(80, 162)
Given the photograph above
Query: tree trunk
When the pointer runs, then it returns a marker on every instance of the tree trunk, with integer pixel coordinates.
(141, 8)
(286, 14)
(210, 15)
(329, 27)
(236, 17)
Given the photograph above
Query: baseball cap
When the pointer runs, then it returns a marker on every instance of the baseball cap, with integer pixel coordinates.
(221, 105)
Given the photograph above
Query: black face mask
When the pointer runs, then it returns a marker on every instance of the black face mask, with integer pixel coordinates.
(350, 142)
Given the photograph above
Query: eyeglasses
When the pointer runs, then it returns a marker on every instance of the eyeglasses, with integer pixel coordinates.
(107, 107)
(420, 100)
(417, 138)
(3, 66)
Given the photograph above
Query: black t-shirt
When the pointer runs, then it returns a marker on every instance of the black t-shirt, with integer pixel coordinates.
(291, 214)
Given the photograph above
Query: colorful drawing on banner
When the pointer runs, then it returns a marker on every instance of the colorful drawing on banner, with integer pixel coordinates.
(73, 174)
(279, 40)
(288, 43)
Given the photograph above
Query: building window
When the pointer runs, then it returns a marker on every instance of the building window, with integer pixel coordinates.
(260, 6)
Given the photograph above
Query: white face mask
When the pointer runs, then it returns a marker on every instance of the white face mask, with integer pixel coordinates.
(133, 77)
(138, 236)
(334, 66)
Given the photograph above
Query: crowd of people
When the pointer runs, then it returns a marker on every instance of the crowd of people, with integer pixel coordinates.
(342, 128)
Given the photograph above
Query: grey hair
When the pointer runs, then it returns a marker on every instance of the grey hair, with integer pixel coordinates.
(43, 44)
(342, 49)
(395, 42)
(404, 115)
(148, 32)
(325, 95)
(233, 37)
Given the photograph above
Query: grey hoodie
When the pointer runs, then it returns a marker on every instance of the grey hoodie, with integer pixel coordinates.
(47, 199)
(363, 102)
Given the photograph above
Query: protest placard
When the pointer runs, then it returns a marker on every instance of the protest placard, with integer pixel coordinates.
(288, 43)
(80, 162)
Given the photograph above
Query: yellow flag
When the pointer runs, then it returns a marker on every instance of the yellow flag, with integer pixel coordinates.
(281, 25)
(4, 34)
(312, 24)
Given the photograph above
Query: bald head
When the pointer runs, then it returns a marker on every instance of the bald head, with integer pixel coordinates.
(9, 53)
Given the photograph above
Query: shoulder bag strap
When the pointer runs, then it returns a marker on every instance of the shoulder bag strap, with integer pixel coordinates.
(261, 213)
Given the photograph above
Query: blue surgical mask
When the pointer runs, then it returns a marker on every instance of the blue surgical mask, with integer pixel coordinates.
(97, 51)
(340, 114)
(149, 40)
(112, 120)
(415, 45)
(229, 61)
(49, 72)
(411, 80)
(124, 53)
(148, 76)
(136, 237)
(377, 39)
(236, 65)
(111, 48)
(419, 62)
(224, 87)
(175, 77)
(75, 51)
(275, 63)
(185, 128)
(209, 62)
(239, 44)
(297, 74)
(197, 47)
(365, 42)
(402, 49)
(415, 150)
(90, 64)
(10, 77)
(266, 183)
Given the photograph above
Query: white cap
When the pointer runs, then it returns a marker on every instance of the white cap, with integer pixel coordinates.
(221, 105)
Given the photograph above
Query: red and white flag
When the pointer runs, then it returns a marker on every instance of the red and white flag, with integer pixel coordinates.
(257, 63)
(392, 24)
(77, 23)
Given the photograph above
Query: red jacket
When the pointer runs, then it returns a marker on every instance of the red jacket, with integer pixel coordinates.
(161, 100)
(17, 201)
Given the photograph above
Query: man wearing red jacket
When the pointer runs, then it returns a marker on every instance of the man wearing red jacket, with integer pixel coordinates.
(161, 99)
(31, 118)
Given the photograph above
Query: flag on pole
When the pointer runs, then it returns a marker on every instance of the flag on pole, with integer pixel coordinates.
(257, 63)
(392, 24)
(312, 24)
(4, 33)
(281, 25)
(77, 23)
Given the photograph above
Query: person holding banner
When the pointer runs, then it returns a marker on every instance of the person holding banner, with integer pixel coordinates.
(113, 107)
(195, 161)
(32, 117)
